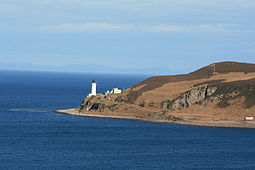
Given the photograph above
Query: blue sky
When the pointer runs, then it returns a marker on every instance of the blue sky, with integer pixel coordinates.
(173, 35)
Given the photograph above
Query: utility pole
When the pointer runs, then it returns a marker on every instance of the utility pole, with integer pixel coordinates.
(214, 69)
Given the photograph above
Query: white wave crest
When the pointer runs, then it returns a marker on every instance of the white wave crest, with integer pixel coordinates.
(27, 110)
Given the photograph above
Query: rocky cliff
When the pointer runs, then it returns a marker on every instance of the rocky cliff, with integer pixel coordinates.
(194, 96)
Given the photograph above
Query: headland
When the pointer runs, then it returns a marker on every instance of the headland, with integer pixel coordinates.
(220, 95)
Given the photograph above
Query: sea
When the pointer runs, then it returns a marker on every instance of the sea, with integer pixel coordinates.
(34, 137)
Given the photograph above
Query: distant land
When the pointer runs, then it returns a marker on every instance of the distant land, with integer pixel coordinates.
(220, 94)
(87, 68)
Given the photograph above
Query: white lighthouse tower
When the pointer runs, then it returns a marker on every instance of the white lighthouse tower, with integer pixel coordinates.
(93, 88)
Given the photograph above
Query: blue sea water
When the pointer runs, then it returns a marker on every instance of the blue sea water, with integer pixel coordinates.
(32, 137)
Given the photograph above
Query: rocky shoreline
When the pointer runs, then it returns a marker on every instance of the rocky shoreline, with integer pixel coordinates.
(230, 124)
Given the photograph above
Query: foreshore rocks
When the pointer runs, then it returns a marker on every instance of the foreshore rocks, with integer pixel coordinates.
(98, 103)
(88, 104)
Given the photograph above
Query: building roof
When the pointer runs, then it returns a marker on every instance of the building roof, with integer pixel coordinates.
(94, 81)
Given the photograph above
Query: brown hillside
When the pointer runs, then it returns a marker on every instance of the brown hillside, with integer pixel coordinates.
(225, 71)
(219, 92)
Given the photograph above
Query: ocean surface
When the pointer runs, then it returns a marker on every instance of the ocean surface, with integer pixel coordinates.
(32, 137)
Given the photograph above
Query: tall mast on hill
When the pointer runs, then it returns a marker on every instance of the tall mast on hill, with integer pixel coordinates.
(214, 69)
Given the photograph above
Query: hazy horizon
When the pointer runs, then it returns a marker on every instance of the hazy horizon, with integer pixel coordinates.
(144, 37)
(97, 69)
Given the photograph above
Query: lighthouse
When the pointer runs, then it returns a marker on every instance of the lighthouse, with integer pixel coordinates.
(93, 88)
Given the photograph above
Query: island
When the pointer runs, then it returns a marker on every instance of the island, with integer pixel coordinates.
(221, 94)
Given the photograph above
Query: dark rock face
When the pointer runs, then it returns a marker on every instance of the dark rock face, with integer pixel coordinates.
(97, 106)
(86, 105)
(91, 104)
(97, 103)
(215, 91)
(189, 98)
(234, 90)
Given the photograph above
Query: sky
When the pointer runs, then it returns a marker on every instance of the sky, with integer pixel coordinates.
(143, 36)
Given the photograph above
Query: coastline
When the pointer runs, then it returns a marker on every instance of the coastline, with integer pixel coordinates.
(229, 124)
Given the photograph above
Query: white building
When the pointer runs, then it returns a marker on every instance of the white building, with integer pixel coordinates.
(93, 88)
(248, 118)
(116, 91)
(113, 91)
